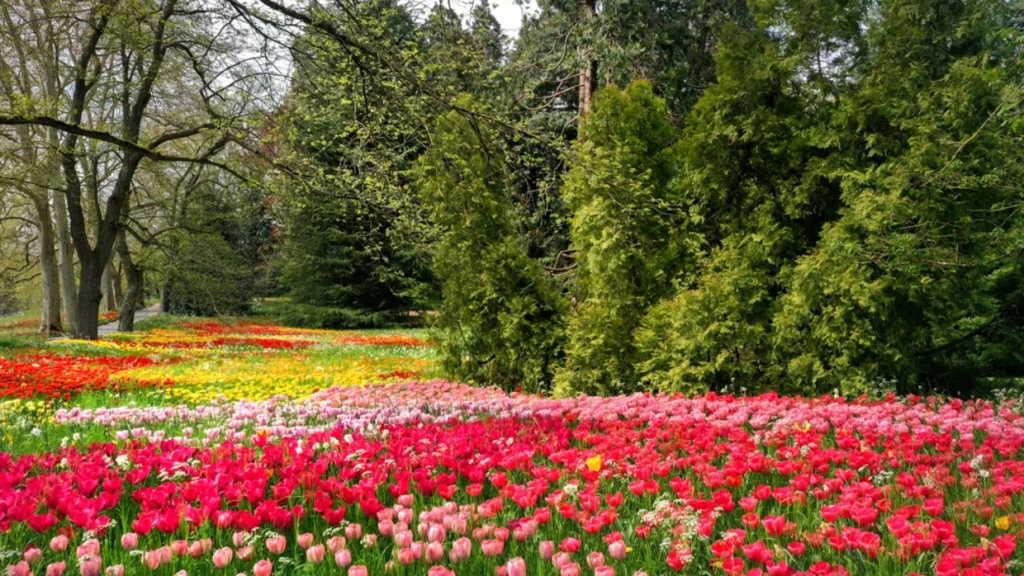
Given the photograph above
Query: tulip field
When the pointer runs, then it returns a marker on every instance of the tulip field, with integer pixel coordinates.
(248, 448)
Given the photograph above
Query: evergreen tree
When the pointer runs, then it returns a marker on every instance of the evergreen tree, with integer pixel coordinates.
(500, 320)
(623, 230)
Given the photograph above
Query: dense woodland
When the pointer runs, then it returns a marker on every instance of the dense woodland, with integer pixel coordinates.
(663, 195)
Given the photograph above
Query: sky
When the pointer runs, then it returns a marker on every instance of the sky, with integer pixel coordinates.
(508, 13)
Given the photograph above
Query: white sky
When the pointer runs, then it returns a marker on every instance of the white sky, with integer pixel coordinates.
(508, 13)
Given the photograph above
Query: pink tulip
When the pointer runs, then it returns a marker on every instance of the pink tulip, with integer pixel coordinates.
(32, 555)
(571, 569)
(561, 559)
(406, 556)
(245, 553)
(570, 545)
(403, 539)
(439, 571)
(435, 552)
(516, 567)
(238, 539)
(55, 569)
(181, 573)
(417, 549)
(195, 550)
(206, 544)
(492, 547)
(336, 543)
(91, 546)
(115, 570)
(386, 528)
(595, 559)
(462, 548)
(90, 564)
(342, 558)
(276, 544)
(501, 570)
(604, 570)
(369, 541)
(20, 569)
(59, 543)
(152, 560)
(222, 557)
(353, 531)
(501, 534)
(305, 540)
(617, 550)
(263, 568)
(639, 573)
(315, 554)
(436, 533)
(405, 500)
(129, 540)
(547, 549)
(358, 571)
(179, 547)
(165, 554)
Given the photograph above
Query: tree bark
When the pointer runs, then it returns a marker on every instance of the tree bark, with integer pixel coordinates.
(89, 298)
(116, 282)
(588, 75)
(48, 264)
(109, 301)
(69, 298)
(133, 297)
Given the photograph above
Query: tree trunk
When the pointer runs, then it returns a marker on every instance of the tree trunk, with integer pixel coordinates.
(107, 287)
(134, 295)
(89, 297)
(165, 299)
(67, 261)
(116, 283)
(588, 75)
(48, 265)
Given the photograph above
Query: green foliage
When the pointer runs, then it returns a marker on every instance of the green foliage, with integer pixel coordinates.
(859, 223)
(209, 278)
(754, 198)
(326, 317)
(340, 255)
(623, 230)
(9, 301)
(671, 43)
(500, 320)
(839, 207)
(357, 238)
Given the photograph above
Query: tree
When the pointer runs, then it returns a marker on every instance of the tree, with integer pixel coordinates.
(843, 178)
(354, 228)
(916, 280)
(570, 48)
(129, 59)
(623, 228)
(501, 315)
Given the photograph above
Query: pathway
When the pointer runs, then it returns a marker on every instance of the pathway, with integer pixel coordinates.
(140, 315)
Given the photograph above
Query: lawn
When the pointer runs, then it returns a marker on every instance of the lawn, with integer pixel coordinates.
(224, 447)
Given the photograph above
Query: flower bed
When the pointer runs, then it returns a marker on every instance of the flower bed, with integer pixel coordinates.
(436, 478)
